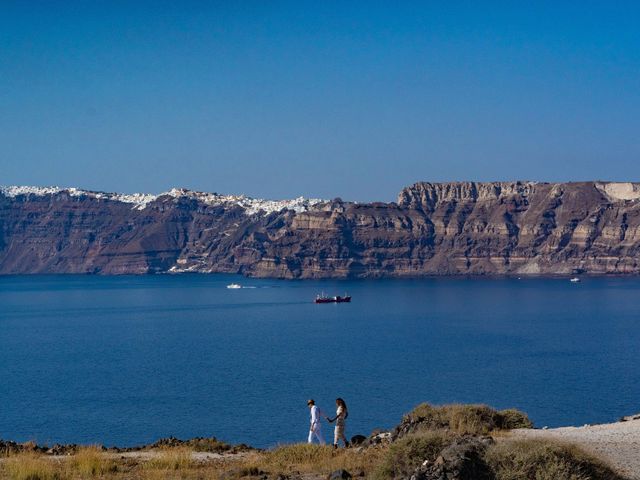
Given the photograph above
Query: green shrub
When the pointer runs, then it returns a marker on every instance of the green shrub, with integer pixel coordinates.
(406, 454)
(538, 459)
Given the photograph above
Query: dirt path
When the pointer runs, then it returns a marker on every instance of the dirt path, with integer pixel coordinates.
(617, 443)
(197, 456)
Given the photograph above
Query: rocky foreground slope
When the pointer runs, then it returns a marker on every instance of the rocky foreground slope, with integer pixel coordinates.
(450, 442)
(433, 229)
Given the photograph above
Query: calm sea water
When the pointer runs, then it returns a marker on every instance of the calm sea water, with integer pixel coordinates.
(127, 360)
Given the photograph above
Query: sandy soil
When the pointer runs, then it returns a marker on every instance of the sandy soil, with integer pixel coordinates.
(617, 443)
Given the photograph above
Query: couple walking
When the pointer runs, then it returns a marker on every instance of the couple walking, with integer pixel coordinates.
(341, 416)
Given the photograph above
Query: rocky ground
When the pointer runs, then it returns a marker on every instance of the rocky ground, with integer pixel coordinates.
(618, 443)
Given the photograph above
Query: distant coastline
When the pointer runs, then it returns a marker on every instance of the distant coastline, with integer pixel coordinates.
(474, 229)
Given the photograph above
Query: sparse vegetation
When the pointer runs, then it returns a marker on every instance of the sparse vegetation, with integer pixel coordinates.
(545, 460)
(428, 433)
(311, 459)
(178, 458)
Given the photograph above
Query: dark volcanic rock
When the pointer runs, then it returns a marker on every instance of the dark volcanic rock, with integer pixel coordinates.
(198, 444)
(58, 449)
(434, 228)
(252, 472)
(339, 475)
(629, 418)
(9, 447)
(462, 460)
(378, 438)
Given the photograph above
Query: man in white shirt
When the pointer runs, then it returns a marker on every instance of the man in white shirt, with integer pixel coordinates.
(314, 428)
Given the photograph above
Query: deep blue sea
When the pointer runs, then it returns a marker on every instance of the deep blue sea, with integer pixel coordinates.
(127, 360)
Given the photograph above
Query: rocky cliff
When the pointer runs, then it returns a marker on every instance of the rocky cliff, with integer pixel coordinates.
(434, 228)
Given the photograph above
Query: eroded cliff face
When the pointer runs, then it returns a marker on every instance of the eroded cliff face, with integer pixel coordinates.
(434, 228)
(531, 227)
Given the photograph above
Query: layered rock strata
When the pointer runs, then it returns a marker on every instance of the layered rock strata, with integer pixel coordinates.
(456, 228)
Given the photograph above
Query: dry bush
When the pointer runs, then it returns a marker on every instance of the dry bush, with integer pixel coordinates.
(512, 418)
(90, 462)
(537, 459)
(471, 419)
(30, 466)
(404, 455)
(465, 419)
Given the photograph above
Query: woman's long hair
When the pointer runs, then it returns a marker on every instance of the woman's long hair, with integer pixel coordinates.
(342, 403)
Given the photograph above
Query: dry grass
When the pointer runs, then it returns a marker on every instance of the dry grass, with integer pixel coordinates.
(304, 458)
(545, 460)
(90, 462)
(30, 466)
(179, 458)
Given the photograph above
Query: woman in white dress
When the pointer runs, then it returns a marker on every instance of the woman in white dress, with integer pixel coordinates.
(341, 415)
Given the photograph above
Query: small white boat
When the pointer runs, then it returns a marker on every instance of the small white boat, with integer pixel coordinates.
(234, 285)
(575, 280)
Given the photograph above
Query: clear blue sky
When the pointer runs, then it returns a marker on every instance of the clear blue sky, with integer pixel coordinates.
(350, 99)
